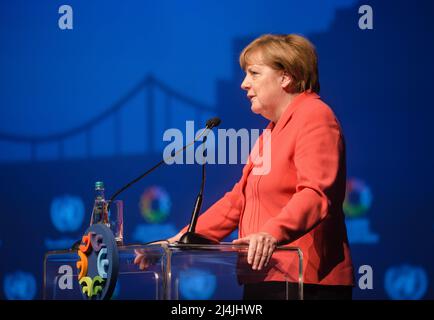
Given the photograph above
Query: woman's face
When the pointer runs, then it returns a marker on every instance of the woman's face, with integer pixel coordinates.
(265, 87)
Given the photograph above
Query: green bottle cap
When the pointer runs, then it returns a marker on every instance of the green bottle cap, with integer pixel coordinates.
(99, 185)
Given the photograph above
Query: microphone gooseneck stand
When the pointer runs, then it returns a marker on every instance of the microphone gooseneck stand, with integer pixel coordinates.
(191, 237)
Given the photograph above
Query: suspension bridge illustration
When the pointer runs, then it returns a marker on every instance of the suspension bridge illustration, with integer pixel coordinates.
(157, 115)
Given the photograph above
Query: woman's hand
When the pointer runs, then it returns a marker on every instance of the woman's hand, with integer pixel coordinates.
(142, 259)
(261, 247)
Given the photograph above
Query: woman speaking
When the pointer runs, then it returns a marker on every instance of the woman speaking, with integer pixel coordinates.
(298, 202)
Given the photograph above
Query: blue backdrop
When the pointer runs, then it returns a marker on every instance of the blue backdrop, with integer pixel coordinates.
(92, 103)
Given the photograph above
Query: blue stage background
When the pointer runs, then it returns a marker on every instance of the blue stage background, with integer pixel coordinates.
(91, 103)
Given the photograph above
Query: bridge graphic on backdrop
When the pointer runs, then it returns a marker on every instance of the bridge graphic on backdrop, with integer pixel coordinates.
(170, 109)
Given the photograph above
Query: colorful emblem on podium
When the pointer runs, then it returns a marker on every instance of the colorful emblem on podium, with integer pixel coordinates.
(98, 263)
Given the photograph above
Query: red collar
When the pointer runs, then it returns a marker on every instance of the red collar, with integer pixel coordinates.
(284, 118)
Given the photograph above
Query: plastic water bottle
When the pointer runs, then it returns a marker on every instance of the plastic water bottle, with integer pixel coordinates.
(99, 213)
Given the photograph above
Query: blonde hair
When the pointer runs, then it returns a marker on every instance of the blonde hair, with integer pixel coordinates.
(291, 53)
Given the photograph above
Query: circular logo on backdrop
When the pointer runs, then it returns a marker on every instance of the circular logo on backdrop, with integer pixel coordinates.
(98, 263)
(406, 282)
(67, 213)
(155, 204)
(197, 284)
(358, 198)
(19, 286)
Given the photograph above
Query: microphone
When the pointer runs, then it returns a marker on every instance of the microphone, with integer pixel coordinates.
(211, 123)
(191, 237)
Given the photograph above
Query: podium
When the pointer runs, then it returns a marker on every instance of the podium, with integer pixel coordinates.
(173, 272)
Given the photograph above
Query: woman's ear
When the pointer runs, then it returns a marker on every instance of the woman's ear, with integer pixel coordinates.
(286, 80)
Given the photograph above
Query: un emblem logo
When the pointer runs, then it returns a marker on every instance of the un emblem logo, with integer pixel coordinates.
(406, 282)
(20, 286)
(67, 213)
(197, 284)
(98, 263)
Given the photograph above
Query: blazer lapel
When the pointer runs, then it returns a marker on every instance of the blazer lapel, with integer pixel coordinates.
(286, 116)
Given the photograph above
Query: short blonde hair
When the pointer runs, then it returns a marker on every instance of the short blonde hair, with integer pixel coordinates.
(291, 53)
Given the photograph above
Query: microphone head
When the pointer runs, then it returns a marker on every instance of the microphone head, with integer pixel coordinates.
(213, 122)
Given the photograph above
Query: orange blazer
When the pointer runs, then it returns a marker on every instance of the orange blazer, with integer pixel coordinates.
(299, 201)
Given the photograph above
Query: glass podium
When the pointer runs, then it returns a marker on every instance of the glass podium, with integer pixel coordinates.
(175, 272)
